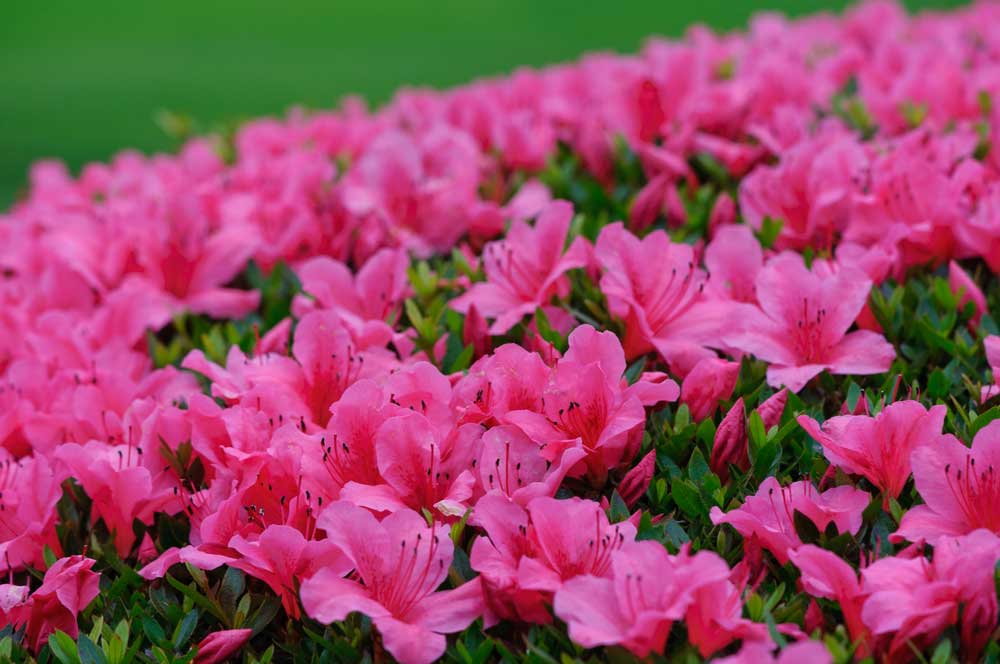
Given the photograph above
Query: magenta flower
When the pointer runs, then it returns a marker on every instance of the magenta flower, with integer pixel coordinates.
(709, 382)
(914, 600)
(966, 290)
(526, 269)
(420, 467)
(570, 537)
(399, 564)
(511, 464)
(368, 302)
(30, 488)
(218, 646)
(755, 652)
(715, 617)
(587, 404)
(734, 258)
(281, 557)
(960, 487)
(68, 587)
(653, 285)
(879, 448)
(497, 557)
(637, 604)
(769, 515)
(992, 346)
(826, 575)
(801, 326)
(510, 379)
(121, 487)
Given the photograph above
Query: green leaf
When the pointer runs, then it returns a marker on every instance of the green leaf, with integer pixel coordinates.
(805, 528)
(185, 628)
(769, 231)
(154, 632)
(63, 647)
(942, 654)
(697, 467)
(983, 419)
(853, 396)
(619, 510)
(89, 652)
(688, 499)
(49, 556)
(755, 427)
(635, 370)
(232, 586)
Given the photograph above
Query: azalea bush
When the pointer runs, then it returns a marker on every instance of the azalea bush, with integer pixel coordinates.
(675, 356)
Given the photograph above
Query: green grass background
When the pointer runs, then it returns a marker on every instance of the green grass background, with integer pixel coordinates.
(82, 80)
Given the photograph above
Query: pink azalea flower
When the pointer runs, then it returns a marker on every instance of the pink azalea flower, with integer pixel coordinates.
(663, 308)
(768, 515)
(30, 488)
(121, 487)
(68, 587)
(510, 379)
(569, 537)
(730, 446)
(511, 465)
(734, 258)
(914, 600)
(813, 652)
(715, 617)
(368, 302)
(710, 381)
(638, 603)
(810, 190)
(636, 481)
(420, 467)
(801, 325)
(586, 404)
(960, 487)
(281, 557)
(526, 269)
(826, 575)
(399, 564)
(497, 556)
(878, 448)
(218, 646)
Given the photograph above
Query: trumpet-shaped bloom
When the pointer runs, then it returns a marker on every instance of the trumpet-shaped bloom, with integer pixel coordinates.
(769, 515)
(281, 557)
(879, 448)
(399, 565)
(587, 404)
(914, 600)
(655, 287)
(960, 487)
(826, 575)
(420, 468)
(801, 326)
(368, 302)
(68, 587)
(636, 605)
(526, 269)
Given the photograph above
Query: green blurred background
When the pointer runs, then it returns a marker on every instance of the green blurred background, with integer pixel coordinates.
(82, 80)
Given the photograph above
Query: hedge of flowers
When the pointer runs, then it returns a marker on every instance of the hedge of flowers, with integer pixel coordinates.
(680, 355)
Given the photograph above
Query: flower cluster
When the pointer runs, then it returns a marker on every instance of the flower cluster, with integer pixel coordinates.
(689, 351)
